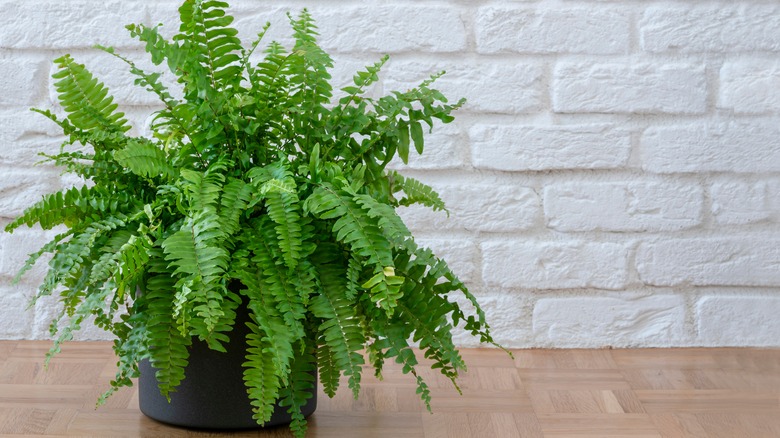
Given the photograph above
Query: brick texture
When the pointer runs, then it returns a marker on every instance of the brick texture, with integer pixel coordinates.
(613, 179)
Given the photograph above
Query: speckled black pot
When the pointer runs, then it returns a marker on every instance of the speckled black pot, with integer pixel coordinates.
(212, 395)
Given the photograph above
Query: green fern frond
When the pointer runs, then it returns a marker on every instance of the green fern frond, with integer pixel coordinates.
(261, 374)
(151, 81)
(281, 283)
(329, 371)
(203, 188)
(353, 226)
(416, 192)
(283, 206)
(130, 347)
(393, 344)
(168, 347)
(358, 229)
(72, 260)
(72, 206)
(91, 304)
(269, 78)
(205, 25)
(266, 316)
(362, 80)
(214, 313)
(86, 99)
(33, 258)
(189, 249)
(389, 222)
(310, 79)
(354, 270)
(299, 390)
(145, 159)
(235, 197)
(341, 327)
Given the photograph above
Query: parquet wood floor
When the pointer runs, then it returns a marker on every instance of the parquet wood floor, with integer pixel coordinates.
(638, 393)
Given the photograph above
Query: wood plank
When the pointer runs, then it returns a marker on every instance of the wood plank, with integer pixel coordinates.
(540, 393)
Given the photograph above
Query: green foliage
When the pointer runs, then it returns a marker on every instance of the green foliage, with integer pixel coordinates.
(258, 185)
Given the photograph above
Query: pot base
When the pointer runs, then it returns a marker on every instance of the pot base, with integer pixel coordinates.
(208, 398)
(213, 394)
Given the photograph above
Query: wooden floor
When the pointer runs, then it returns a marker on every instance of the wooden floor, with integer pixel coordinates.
(541, 393)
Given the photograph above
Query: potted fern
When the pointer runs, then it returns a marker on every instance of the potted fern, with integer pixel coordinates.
(257, 221)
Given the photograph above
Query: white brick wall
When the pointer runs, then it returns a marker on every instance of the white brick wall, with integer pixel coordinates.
(614, 179)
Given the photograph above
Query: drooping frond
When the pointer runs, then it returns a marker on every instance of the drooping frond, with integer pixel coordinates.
(261, 374)
(125, 266)
(91, 304)
(353, 226)
(280, 283)
(299, 390)
(191, 252)
(393, 344)
(388, 220)
(341, 327)
(33, 258)
(281, 201)
(358, 229)
(269, 322)
(235, 197)
(130, 347)
(168, 352)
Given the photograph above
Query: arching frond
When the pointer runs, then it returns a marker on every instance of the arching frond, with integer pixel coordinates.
(86, 99)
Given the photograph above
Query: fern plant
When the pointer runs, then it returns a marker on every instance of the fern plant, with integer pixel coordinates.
(255, 186)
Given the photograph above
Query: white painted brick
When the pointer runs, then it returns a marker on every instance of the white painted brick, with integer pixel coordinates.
(609, 87)
(461, 255)
(729, 146)
(554, 265)
(710, 28)
(745, 261)
(489, 86)
(72, 24)
(622, 206)
(750, 87)
(618, 321)
(419, 28)
(21, 79)
(444, 149)
(477, 207)
(741, 202)
(552, 30)
(23, 134)
(16, 126)
(511, 148)
(20, 188)
(17, 319)
(738, 320)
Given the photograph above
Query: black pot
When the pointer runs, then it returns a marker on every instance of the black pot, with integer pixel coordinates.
(212, 394)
